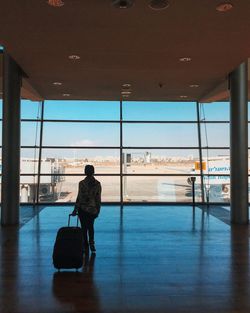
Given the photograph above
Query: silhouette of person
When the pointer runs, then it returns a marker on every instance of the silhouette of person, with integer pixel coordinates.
(88, 204)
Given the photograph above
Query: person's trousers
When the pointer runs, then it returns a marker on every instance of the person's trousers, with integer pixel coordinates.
(87, 224)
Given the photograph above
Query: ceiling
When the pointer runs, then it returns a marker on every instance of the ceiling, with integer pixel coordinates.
(138, 45)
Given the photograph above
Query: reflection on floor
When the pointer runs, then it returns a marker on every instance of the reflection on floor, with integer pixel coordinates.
(149, 259)
(220, 212)
(27, 212)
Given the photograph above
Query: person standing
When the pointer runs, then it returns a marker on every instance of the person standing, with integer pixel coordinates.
(88, 205)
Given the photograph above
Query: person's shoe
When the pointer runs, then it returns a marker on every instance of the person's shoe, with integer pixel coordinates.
(92, 247)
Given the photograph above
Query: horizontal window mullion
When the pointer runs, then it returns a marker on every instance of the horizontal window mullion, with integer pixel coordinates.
(214, 148)
(30, 120)
(77, 174)
(29, 174)
(118, 174)
(161, 148)
(217, 175)
(158, 122)
(214, 122)
(156, 175)
(81, 121)
(81, 147)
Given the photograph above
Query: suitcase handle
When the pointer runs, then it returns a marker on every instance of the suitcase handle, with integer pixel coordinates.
(76, 217)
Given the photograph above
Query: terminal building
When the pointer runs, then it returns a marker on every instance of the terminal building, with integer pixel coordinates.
(155, 95)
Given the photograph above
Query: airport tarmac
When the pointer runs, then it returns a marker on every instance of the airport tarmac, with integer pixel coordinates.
(136, 188)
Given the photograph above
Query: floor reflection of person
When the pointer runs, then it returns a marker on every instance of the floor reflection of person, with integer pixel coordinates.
(88, 204)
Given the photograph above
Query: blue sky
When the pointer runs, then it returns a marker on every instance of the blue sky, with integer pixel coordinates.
(92, 134)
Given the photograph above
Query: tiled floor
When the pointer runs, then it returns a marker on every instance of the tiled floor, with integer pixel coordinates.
(149, 259)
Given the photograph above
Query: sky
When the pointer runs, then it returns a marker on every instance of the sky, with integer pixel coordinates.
(108, 134)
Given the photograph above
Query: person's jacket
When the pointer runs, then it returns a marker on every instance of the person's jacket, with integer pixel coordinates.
(89, 196)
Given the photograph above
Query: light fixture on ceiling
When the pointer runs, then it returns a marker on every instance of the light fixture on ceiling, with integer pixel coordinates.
(57, 83)
(74, 57)
(158, 4)
(194, 86)
(126, 93)
(126, 86)
(66, 94)
(185, 59)
(56, 3)
(122, 4)
(224, 7)
(183, 97)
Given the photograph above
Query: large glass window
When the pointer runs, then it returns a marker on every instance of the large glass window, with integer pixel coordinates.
(160, 135)
(31, 114)
(76, 133)
(60, 188)
(149, 155)
(215, 111)
(158, 189)
(159, 161)
(82, 110)
(80, 134)
(215, 135)
(159, 111)
(31, 110)
(30, 133)
(73, 161)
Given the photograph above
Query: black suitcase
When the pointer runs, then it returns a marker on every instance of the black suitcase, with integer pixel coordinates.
(68, 248)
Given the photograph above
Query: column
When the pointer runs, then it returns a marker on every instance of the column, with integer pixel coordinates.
(11, 141)
(239, 144)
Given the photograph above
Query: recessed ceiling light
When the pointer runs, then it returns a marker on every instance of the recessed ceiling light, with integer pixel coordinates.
(74, 57)
(126, 92)
(194, 86)
(224, 7)
(185, 59)
(126, 86)
(183, 97)
(56, 3)
(66, 94)
(158, 4)
(57, 83)
(122, 4)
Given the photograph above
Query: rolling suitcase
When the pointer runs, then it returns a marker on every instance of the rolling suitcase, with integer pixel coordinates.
(68, 248)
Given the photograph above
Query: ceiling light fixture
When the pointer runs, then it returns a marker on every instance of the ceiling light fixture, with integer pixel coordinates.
(183, 97)
(122, 4)
(224, 7)
(74, 57)
(56, 3)
(66, 94)
(126, 86)
(185, 59)
(194, 86)
(158, 4)
(57, 83)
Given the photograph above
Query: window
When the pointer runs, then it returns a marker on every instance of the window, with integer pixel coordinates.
(149, 154)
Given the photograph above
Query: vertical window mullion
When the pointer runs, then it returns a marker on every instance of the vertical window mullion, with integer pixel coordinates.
(121, 151)
(200, 151)
(40, 153)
